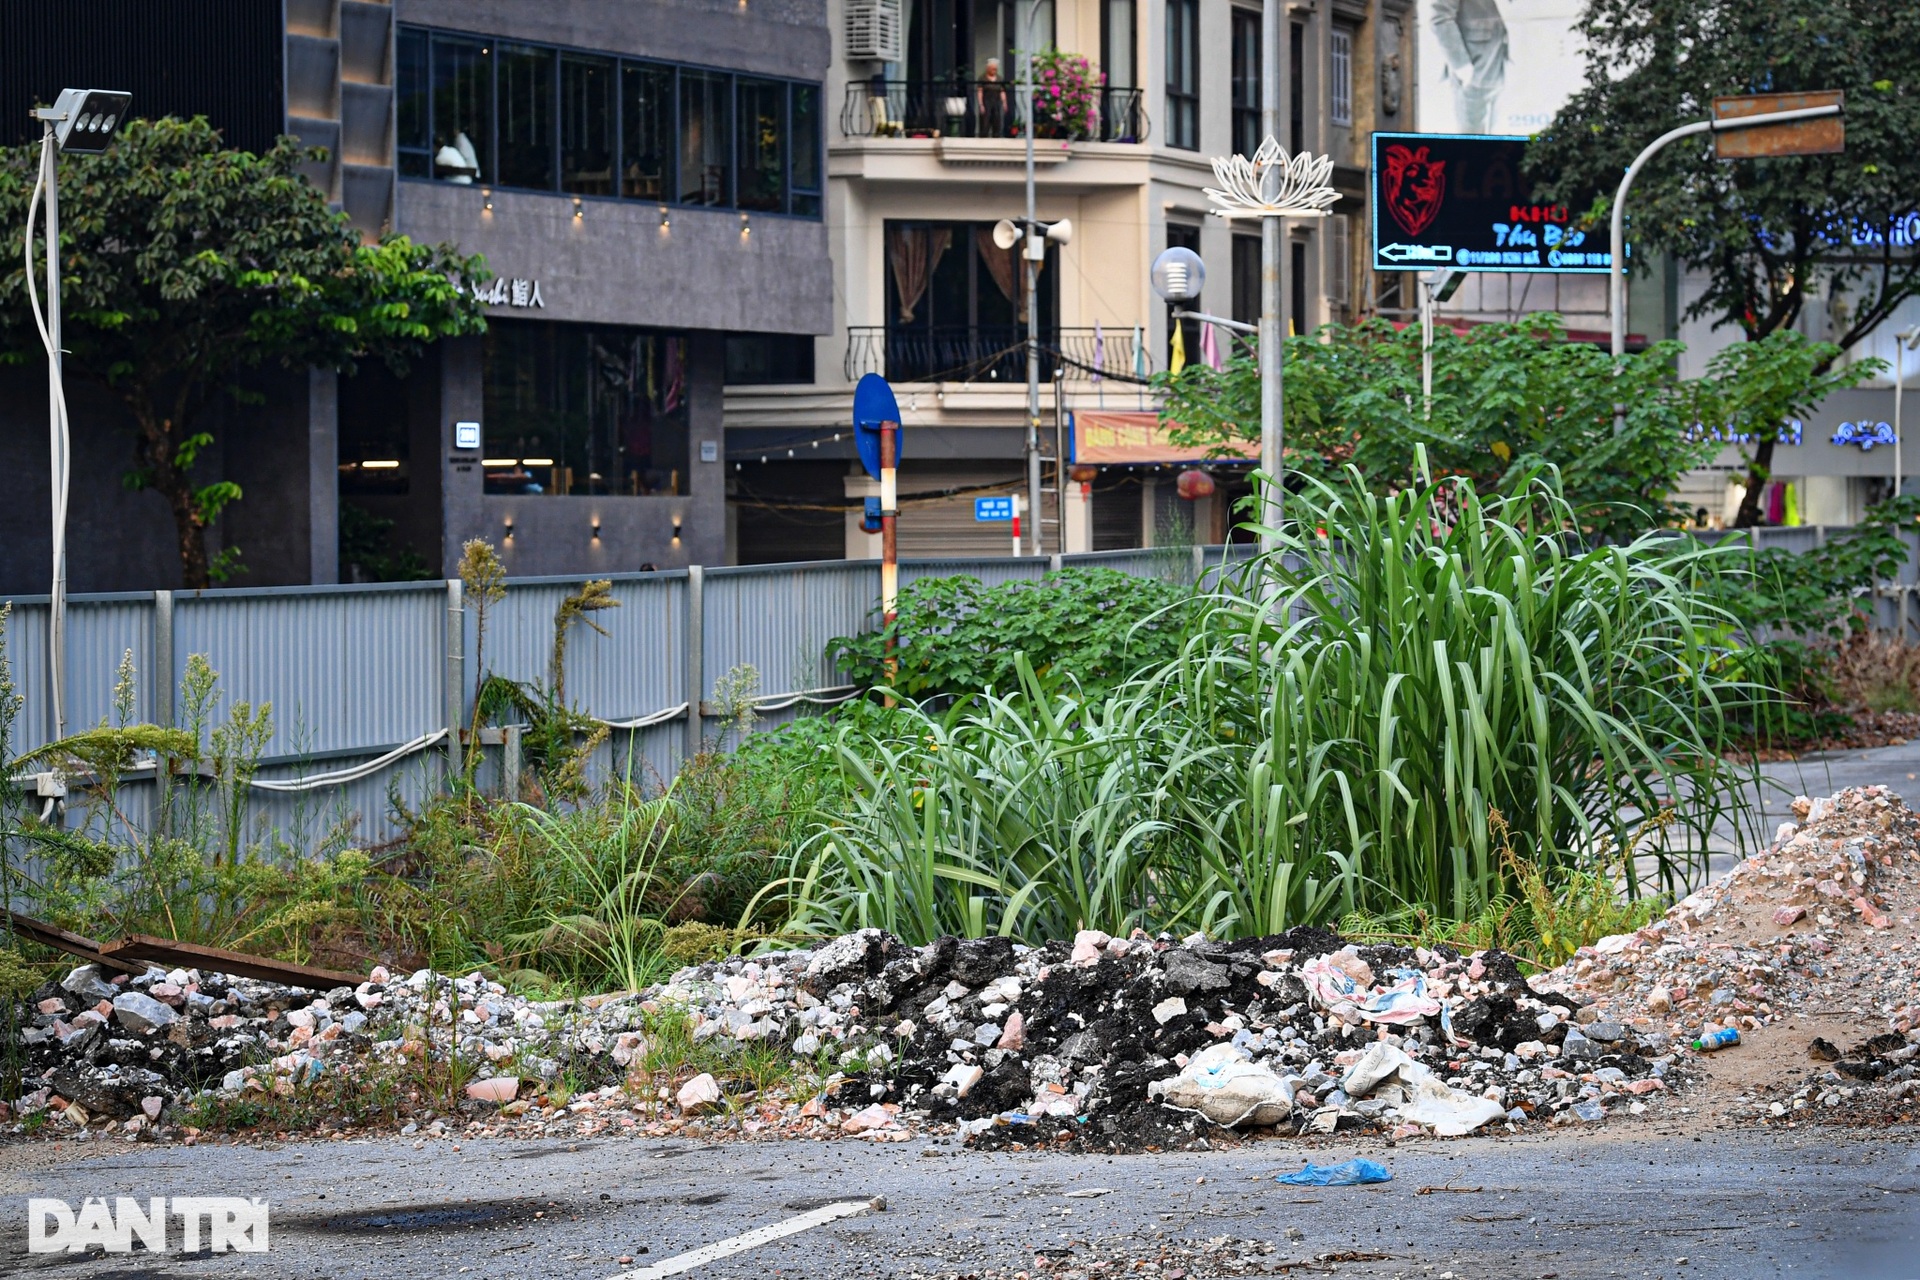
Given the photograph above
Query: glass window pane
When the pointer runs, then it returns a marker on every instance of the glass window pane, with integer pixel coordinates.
(582, 410)
(763, 145)
(413, 114)
(806, 139)
(646, 96)
(526, 117)
(706, 132)
(586, 125)
(1116, 43)
(462, 110)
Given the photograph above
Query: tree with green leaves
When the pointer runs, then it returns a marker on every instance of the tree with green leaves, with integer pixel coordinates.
(186, 267)
(1771, 235)
(1507, 399)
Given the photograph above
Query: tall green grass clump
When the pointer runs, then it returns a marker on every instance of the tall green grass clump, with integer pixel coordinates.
(1417, 701)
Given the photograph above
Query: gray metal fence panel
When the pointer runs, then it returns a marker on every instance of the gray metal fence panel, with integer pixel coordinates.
(353, 671)
(101, 630)
(26, 638)
(346, 669)
(990, 570)
(780, 617)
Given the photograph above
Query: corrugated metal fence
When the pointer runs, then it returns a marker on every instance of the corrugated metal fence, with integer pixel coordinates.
(370, 685)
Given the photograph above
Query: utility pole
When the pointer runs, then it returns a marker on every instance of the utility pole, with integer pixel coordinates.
(1034, 246)
(1272, 230)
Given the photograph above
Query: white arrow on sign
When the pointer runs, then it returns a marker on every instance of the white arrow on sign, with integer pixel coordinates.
(1417, 253)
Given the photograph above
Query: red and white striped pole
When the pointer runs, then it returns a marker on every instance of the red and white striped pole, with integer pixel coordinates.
(1016, 525)
(889, 548)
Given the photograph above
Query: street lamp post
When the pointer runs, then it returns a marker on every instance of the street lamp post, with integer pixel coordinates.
(1904, 341)
(1431, 293)
(1616, 257)
(1269, 185)
(81, 121)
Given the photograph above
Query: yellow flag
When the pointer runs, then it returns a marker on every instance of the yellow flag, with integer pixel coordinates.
(1179, 360)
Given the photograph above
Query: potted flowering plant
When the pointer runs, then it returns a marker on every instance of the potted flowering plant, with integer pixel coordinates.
(1066, 95)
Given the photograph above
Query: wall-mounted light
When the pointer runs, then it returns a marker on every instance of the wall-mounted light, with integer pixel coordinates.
(499, 462)
(536, 462)
(380, 464)
(509, 536)
(746, 228)
(596, 528)
(676, 531)
(666, 220)
(578, 211)
(486, 199)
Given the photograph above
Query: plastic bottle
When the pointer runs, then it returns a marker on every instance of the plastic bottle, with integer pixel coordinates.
(1717, 1040)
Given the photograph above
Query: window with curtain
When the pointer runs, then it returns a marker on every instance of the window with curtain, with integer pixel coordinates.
(957, 303)
(1340, 76)
(1246, 82)
(583, 410)
(587, 125)
(646, 112)
(526, 124)
(706, 129)
(1183, 74)
(762, 165)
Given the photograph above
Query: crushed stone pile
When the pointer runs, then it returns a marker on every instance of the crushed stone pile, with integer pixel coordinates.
(1112, 1043)
(1816, 930)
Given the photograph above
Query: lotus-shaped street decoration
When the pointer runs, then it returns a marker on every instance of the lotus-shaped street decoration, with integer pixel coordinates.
(1272, 184)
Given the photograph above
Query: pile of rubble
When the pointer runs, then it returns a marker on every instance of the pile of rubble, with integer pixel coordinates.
(1820, 925)
(1116, 1043)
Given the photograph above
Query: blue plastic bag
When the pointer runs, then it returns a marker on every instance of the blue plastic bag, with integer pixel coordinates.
(1351, 1174)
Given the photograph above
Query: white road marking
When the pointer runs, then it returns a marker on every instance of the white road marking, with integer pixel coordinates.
(750, 1240)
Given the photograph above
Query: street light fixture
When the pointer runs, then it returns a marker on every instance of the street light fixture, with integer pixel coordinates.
(1616, 257)
(1272, 186)
(82, 121)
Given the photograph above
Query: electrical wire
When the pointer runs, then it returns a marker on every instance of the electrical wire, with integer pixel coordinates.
(341, 777)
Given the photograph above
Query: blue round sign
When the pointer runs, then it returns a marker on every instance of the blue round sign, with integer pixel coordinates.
(873, 404)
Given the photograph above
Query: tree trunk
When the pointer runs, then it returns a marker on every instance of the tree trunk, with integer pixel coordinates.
(155, 452)
(1759, 472)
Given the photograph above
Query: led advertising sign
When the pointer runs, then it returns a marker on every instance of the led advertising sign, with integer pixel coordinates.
(1460, 202)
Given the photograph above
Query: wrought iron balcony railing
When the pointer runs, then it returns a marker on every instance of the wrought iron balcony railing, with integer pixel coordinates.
(991, 353)
(973, 109)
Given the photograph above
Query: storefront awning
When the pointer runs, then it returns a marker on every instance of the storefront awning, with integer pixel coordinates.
(1111, 439)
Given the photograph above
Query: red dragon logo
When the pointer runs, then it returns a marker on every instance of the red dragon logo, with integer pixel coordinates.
(1415, 187)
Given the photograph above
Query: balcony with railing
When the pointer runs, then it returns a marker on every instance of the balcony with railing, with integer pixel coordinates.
(993, 354)
(975, 109)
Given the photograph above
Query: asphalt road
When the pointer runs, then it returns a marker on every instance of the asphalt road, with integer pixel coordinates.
(1615, 1203)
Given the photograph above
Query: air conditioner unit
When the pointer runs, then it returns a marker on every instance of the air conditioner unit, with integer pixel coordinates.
(874, 30)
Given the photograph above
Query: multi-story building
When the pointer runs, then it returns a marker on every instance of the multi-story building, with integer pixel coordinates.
(925, 154)
(647, 182)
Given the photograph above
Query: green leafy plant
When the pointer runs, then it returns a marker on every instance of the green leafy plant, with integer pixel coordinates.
(1767, 235)
(1332, 737)
(367, 546)
(1508, 399)
(954, 637)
